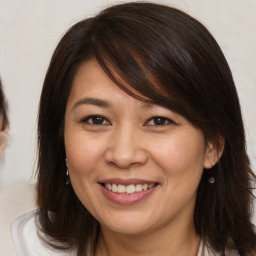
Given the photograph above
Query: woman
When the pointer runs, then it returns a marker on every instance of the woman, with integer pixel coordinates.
(3, 121)
(15, 199)
(141, 142)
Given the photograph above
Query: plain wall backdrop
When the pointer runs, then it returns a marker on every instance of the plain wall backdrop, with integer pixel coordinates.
(31, 29)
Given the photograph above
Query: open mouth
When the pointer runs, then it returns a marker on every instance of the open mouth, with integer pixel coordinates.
(129, 189)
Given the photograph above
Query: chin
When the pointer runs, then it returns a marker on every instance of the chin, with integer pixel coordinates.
(129, 225)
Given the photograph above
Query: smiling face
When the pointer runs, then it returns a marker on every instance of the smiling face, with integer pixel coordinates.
(135, 166)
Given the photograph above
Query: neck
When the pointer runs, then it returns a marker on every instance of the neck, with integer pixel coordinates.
(179, 241)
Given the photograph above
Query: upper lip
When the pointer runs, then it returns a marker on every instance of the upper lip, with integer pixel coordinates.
(126, 181)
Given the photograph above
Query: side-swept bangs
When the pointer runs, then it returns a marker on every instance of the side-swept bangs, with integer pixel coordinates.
(172, 60)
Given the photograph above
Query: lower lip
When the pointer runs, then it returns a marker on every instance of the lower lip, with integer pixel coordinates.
(125, 198)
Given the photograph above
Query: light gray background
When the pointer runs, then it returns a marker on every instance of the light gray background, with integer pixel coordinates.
(29, 32)
(31, 29)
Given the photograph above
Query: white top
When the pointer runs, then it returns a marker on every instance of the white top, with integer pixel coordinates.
(27, 242)
(15, 200)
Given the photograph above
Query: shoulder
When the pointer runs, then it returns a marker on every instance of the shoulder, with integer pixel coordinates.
(26, 240)
(15, 200)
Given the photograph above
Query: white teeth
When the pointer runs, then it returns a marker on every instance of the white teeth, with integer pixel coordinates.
(120, 188)
(114, 188)
(145, 186)
(130, 189)
(138, 188)
(151, 185)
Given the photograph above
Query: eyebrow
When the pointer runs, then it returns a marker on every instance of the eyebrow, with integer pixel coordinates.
(147, 105)
(92, 101)
(106, 103)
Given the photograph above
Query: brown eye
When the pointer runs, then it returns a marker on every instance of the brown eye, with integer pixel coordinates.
(158, 121)
(96, 120)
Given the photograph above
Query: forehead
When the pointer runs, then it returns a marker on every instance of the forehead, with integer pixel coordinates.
(90, 78)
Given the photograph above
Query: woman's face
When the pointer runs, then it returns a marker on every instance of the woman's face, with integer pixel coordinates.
(135, 166)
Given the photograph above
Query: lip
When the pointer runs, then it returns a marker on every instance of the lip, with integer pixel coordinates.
(126, 199)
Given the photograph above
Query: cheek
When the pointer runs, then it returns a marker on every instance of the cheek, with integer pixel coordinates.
(182, 163)
(84, 157)
(83, 153)
(181, 157)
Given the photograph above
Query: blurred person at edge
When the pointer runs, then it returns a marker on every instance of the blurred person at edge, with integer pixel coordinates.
(3, 121)
(16, 198)
(141, 143)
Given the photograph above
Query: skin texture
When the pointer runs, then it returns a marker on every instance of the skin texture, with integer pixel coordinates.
(129, 142)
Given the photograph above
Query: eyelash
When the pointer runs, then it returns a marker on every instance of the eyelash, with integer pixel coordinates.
(95, 117)
(101, 120)
(163, 121)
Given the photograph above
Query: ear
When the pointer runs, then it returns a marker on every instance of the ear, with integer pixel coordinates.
(213, 153)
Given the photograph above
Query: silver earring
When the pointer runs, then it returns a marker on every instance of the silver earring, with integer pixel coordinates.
(211, 180)
(68, 179)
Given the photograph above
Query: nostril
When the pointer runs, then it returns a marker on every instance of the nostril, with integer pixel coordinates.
(122, 165)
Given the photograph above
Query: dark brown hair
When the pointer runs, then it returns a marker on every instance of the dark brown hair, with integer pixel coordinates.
(3, 110)
(171, 59)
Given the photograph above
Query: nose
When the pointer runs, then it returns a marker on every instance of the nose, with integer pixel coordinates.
(126, 148)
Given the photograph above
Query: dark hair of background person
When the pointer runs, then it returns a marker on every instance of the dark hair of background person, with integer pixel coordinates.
(172, 60)
(3, 110)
